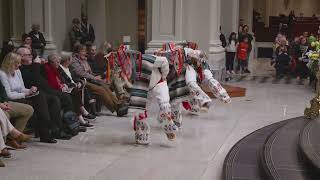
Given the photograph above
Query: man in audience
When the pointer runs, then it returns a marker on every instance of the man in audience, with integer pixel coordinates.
(81, 69)
(49, 106)
(38, 40)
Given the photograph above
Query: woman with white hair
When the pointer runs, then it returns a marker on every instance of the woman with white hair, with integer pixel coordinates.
(72, 89)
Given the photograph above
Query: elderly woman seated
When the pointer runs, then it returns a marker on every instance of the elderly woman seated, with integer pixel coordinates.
(59, 80)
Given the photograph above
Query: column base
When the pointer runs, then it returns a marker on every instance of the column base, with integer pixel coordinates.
(50, 48)
(217, 61)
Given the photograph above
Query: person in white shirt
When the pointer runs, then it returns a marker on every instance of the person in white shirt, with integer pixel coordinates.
(231, 50)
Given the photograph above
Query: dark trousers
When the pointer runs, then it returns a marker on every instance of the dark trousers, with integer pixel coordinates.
(77, 99)
(230, 60)
(46, 113)
(242, 64)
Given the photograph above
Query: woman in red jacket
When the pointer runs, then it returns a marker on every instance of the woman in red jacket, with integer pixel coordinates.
(242, 53)
(55, 82)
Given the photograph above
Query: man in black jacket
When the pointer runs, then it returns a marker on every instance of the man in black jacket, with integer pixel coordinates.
(87, 30)
(38, 40)
(48, 106)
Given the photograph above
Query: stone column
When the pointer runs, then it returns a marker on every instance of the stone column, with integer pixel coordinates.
(268, 12)
(246, 12)
(166, 23)
(40, 12)
(216, 51)
(229, 16)
(16, 21)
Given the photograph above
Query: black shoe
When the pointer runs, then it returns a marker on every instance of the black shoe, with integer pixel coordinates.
(89, 117)
(63, 136)
(122, 110)
(49, 140)
(247, 71)
(82, 129)
(87, 125)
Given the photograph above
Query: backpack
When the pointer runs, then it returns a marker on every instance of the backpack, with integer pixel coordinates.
(71, 120)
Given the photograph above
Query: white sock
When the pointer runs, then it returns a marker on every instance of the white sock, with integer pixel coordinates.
(84, 111)
(82, 121)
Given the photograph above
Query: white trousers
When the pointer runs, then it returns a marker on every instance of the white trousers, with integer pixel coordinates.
(5, 128)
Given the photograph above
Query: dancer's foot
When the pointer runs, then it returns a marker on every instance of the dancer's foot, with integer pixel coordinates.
(170, 129)
(142, 130)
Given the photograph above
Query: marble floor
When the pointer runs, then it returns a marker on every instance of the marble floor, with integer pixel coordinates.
(108, 152)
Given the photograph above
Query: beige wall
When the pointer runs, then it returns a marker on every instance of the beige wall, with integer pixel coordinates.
(122, 21)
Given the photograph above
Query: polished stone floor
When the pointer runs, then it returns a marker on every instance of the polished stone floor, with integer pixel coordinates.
(108, 152)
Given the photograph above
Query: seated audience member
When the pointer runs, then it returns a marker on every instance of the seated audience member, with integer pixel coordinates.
(282, 61)
(302, 69)
(38, 40)
(92, 61)
(81, 69)
(75, 90)
(27, 43)
(117, 82)
(295, 53)
(47, 106)
(19, 113)
(6, 128)
(66, 78)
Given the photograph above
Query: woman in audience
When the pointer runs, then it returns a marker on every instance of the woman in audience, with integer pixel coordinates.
(6, 128)
(74, 89)
(66, 78)
(12, 81)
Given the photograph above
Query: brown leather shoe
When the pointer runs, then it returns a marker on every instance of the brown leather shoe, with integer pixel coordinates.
(23, 138)
(5, 153)
(15, 144)
(2, 164)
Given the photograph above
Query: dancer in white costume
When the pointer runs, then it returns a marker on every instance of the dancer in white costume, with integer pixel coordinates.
(152, 81)
(198, 60)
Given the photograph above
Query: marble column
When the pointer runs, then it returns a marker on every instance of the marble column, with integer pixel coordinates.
(166, 23)
(268, 12)
(216, 51)
(229, 16)
(40, 12)
(16, 21)
(246, 12)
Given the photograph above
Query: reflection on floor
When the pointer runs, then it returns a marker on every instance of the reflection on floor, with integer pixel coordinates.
(109, 152)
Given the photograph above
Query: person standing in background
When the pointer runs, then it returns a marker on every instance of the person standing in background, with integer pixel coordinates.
(87, 30)
(38, 40)
(231, 50)
(245, 34)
